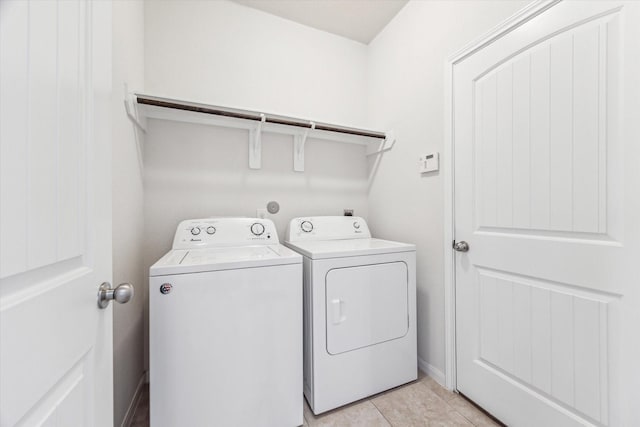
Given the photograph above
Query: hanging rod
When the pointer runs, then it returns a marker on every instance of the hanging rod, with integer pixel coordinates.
(258, 117)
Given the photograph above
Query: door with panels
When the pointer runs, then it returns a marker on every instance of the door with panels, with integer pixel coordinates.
(546, 146)
(55, 213)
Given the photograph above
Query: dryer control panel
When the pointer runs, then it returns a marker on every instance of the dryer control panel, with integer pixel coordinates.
(327, 228)
(221, 232)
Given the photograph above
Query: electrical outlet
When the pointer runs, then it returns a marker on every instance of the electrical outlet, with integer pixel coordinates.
(261, 213)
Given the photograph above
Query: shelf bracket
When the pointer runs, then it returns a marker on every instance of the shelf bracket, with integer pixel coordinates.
(132, 112)
(299, 141)
(387, 144)
(255, 144)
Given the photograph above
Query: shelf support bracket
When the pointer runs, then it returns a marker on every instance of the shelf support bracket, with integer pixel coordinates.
(132, 112)
(387, 144)
(299, 141)
(255, 144)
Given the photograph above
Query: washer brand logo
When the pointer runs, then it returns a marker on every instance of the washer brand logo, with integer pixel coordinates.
(165, 288)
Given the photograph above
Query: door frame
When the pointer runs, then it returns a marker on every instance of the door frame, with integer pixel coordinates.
(516, 20)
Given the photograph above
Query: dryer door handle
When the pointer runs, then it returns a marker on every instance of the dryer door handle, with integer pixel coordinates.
(338, 311)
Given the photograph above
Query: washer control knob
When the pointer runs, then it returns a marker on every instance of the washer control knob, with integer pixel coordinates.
(211, 229)
(257, 229)
(195, 231)
(356, 225)
(306, 226)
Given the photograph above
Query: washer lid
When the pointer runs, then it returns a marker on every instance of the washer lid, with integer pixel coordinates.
(319, 249)
(180, 261)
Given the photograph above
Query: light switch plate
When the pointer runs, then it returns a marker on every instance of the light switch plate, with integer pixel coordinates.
(429, 163)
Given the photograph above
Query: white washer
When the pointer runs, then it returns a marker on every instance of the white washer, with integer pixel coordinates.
(226, 327)
(359, 310)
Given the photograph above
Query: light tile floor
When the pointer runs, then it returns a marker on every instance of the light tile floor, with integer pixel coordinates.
(420, 403)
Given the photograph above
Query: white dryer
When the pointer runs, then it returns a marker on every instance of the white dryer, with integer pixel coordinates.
(226, 327)
(359, 310)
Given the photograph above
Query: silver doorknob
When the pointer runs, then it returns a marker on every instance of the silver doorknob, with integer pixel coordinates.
(122, 294)
(461, 246)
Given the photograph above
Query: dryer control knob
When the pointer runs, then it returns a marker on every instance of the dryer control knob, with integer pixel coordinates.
(195, 231)
(211, 229)
(356, 225)
(306, 226)
(257, 229)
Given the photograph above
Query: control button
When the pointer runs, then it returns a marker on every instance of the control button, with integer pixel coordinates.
(195, 231)
(356, 225)
(211, 230)
(257, 229)
(306, 226)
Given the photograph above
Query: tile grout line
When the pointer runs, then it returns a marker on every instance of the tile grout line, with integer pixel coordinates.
(453, 408)
(466, 418)
(380, 412)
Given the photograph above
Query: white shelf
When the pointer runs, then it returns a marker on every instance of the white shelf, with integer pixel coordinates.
(140, 107)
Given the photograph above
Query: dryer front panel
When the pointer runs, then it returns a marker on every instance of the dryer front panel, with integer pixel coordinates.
(366, 305)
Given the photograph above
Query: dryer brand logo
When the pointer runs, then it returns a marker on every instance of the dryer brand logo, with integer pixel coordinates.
(165, 288)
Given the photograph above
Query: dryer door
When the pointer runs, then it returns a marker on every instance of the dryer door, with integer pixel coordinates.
(366, 305)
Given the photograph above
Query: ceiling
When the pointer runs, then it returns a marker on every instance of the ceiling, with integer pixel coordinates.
(359, 20)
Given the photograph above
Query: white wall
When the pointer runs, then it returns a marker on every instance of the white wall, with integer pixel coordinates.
(128, 320)
(406, 93)
(224, 53)
(227, 54)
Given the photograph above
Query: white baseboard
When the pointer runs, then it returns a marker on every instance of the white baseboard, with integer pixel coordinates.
(431, 371)
(128, 416)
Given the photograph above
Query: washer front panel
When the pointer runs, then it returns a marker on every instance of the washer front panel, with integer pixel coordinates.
(226, 348)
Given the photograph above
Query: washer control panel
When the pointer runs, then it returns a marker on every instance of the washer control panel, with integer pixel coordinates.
(327, 228)
(257, 229)
(221, 232)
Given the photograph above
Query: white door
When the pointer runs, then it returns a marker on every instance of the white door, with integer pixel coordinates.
(55, 213)
(547, 196)
(366, 305)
